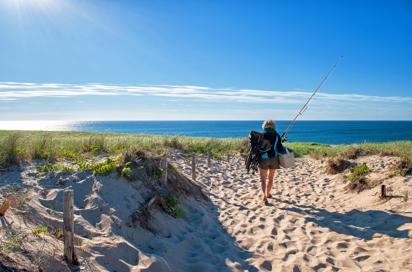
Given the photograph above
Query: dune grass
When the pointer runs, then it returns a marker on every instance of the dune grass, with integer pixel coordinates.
(18, 145)
(300, 149)
(401, 149)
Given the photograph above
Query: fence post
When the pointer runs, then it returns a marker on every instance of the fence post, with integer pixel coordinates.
(383, 191)
(228, 158)
(68, 227)
(163, 165)
(209, 154)
(193, 165)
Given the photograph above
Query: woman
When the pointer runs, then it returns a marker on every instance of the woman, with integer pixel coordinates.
(270, 160)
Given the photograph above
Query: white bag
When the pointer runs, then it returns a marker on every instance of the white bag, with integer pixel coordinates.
(286, 158)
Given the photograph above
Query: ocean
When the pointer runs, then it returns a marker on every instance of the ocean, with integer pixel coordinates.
(325, 132)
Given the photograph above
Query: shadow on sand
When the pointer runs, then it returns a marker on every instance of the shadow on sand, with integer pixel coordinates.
(361, 224)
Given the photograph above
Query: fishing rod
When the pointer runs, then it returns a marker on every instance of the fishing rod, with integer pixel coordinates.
(304, 107)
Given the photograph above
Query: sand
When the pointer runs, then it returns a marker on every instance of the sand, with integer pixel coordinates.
(311, 223)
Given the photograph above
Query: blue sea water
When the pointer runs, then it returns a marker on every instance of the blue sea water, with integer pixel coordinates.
(326, 132)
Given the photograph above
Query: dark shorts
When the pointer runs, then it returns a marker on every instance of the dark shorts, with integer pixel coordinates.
(270, 163)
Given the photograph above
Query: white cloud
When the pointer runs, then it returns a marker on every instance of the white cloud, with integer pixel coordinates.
(16, 90)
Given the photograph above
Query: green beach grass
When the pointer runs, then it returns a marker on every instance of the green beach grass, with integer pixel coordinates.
(401, 149)
(18, 145)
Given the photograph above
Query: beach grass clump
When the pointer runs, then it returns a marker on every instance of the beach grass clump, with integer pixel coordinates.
(402, 167)
(11, 149)
(336, 165)
(96, 143)
(359, 180)
(15, 241)
(39, 147)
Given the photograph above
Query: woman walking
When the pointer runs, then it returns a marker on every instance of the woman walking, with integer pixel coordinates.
(270, 160)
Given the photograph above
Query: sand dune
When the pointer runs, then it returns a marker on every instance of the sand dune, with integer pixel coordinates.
(310, 224)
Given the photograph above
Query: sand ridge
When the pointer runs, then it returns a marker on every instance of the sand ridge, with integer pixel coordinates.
(310, 224)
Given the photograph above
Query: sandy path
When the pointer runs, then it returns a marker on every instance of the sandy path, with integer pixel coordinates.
(309, 225)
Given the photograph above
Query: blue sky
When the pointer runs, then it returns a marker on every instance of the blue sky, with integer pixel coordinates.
(204, 60)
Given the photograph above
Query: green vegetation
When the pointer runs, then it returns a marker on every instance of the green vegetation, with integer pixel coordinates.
(157, 173)
(18, 145)
(12, 243)
(358, 171)
(215, 154)
(84, 249)
(51, 145)
(391, 174)
(38, 231)
(300, 149)
(401, 149)
(105, 168)
(173, 207)
(126, 172)
(47, 167)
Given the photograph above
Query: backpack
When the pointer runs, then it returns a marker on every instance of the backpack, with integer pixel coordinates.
(258, 147)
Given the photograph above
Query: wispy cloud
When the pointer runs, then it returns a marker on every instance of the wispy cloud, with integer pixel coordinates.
(16, 90)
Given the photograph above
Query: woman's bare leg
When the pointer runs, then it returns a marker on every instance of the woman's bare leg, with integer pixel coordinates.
(263, 174)
(270, 181)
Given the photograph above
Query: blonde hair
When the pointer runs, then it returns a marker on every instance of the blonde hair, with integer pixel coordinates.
(269, 123)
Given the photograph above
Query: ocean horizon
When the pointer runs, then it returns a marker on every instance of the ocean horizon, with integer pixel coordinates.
(325, 132)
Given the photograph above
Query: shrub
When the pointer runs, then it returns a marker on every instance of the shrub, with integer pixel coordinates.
(157, 173)
(358, 171)
(172, 207)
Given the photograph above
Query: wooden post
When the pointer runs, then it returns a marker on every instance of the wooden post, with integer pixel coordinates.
(193, 165)
(209, 154)
(68, 227)
(228, 158)
(383, 191)
(163, 165)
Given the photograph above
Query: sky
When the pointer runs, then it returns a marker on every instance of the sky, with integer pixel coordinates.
(87, 60)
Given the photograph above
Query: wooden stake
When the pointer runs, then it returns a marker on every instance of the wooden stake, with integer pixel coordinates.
(228, 158)
(151, 202)
(163, 165)
(193, 166)
(209, 154)
(383, 191)
(68, 227)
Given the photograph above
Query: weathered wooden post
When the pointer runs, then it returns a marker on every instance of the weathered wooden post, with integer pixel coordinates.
(228, 158)
(68, 227)
(163, 165)
(383, 191)
(193, 165)
(209, 154)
